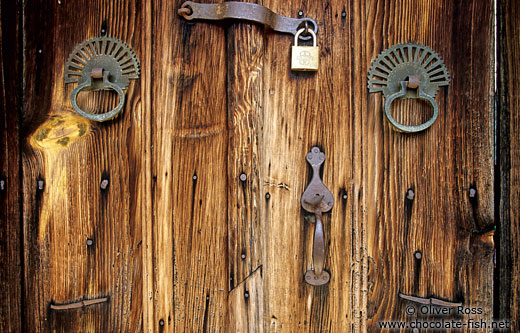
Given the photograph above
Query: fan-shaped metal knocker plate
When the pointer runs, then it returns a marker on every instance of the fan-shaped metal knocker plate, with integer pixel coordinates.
(408, 71)
(101, 63)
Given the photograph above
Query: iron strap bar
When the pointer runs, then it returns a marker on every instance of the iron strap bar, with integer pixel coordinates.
(246, 11)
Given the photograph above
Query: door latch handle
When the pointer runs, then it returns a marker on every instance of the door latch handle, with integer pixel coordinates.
(249, 12)
(317, 199)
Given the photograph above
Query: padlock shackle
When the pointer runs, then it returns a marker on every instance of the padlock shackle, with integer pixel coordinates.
(298, 33)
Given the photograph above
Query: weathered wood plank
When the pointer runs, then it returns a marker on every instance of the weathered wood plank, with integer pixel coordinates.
(81, 180)
(245, 92)
(302, 110)
(508, 156)
(10, 195)
(245, 229)
(189, 166)
(246, 304)
(417, 187)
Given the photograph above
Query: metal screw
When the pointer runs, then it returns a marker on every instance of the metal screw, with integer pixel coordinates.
(243, 177)
(194, 177)
(418, 255)
(161, 322)
(104, 184)
(344, 196)
(343, 14)
(243, 256)
(267, 195)
(90, 242)
(472, 192)
(410, 195)
(300, 13)
(246, 294)
(41, 184)
(207, 297)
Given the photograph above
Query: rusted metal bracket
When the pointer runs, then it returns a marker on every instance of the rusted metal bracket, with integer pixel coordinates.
(249, 12)
(78, 305)
(317, 199)
(431, 300)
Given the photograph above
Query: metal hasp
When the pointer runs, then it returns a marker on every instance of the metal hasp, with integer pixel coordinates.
(101, 63)
(408, 71)
(246, 11)
(317, 199)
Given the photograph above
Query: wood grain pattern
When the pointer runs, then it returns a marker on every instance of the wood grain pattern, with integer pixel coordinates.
(189, 165)
(82, 239)
(10, 194)
(302, 110)
(508, 102)
(441, 166)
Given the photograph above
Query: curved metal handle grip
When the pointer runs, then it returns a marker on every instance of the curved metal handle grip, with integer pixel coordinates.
(95, 116)
(408, 128)
(318, 276)
(318, 247)
(317, 199)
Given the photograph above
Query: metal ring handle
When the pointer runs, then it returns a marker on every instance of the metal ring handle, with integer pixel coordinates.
(94, 116)
(408, 128)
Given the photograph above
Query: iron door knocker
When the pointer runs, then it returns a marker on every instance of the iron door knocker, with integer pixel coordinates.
(408, 71)
(101, 63)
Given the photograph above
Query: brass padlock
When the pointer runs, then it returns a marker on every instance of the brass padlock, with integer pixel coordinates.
(305, 58)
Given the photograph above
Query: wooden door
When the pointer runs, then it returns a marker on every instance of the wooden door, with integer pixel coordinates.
(183, 214)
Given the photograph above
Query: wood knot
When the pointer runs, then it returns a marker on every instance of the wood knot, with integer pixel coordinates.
(59, 131)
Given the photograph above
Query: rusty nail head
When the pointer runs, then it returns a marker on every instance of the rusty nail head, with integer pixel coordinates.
(104, 184)
(410, 195)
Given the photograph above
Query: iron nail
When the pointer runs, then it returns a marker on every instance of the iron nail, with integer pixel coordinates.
(90, 242)
(343, 13)
(243, 256)
(300, 13)
(161, 322)
(267, 195)
(104, 184)
(345, 196)
(2, 185)
(243, 177)
(194, 177)
(418, 255)
(472, 192)
(410, 195)
(246, 294)
(41, 184)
